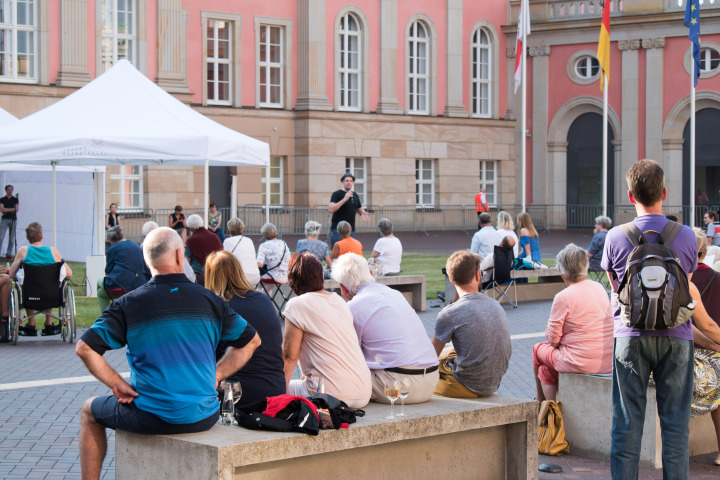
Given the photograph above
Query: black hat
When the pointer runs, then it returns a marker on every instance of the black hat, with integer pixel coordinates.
(348, 174)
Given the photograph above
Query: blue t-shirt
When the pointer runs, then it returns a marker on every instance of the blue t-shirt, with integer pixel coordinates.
(618, 248)
(317, 247)
(534, 243)
(125, 266)
(597, 245)
(262, 376)
(171, 328)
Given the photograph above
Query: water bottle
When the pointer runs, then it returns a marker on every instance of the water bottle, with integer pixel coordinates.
(228, 406)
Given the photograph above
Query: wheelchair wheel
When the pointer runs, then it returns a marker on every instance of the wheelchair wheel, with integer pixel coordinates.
(64, 323)
(71, 325)
(15, 316)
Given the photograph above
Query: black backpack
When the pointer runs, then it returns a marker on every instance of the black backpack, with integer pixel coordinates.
(654, 293)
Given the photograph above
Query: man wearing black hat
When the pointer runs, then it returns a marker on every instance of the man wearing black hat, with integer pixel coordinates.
(344, 203)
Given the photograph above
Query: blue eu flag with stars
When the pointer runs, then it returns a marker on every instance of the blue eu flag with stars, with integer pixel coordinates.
(692, 21)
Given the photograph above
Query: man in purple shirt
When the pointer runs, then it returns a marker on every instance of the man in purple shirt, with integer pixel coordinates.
(667, 354)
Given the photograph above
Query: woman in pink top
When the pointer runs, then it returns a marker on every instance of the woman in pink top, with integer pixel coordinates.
(319, 334)
(580, 328)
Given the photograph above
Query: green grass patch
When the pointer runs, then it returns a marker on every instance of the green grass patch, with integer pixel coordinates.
(86, 308)
(427, 264)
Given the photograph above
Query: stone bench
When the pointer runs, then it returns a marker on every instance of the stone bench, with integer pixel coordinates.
(411, 286)
(550, 284)
(487, 438)
(587, 412)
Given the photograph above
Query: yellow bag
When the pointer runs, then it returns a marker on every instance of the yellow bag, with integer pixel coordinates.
(551, 430)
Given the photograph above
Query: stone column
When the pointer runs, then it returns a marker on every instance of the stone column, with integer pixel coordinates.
(509, 115)
(172, 46)
(540, 174)
(454, 58)
(653, 97)
(312, 32)
(672, 163)
(630, 111)
(73, 44)
(388, 59)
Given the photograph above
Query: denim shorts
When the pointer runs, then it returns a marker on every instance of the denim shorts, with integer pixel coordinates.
(110, 413)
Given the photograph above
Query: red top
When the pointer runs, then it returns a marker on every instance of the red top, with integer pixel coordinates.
(202, 243)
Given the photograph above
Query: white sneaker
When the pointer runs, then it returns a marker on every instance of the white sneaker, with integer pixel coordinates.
(717, 460)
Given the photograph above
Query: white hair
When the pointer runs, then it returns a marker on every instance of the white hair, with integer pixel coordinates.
(194, 221)
(572, 261)
(352, 271)
(148, 227)
(160, 242)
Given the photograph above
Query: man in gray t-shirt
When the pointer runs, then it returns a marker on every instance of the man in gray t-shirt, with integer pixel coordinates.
(478, 328)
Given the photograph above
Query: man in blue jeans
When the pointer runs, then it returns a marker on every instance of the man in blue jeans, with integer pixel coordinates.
(667, 354)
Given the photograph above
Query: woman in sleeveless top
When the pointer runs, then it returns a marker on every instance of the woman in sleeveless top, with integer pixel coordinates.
(111, 219)
(177, 222)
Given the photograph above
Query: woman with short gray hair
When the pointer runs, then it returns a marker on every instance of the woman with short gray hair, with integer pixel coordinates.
(273, 255)
(579, 330)
(388, 249)
(244, 250)
(312, 245)
(597, 244)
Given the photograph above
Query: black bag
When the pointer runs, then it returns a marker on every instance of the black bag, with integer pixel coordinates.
(265, 269)
(654, 293)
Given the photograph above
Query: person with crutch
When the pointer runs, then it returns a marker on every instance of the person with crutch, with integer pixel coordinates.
(9, 206)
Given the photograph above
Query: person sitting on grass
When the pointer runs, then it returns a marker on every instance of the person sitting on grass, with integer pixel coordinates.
(37, 254)
(479, 331)
(346, 243)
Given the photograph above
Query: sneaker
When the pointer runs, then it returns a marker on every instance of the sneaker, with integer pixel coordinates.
(717, 460)
(27, 331)
(9, 258)
(51, 330)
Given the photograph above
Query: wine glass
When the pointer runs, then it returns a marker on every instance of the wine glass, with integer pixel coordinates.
(236, 390)
(404, 392)
(392, 392)
(320, 385)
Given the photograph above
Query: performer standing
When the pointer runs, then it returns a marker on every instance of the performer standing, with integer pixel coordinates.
(8, 206)
(344, 203)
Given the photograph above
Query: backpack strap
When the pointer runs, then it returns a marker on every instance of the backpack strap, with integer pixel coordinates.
(669, 233)
(708, 284)
(632, 232)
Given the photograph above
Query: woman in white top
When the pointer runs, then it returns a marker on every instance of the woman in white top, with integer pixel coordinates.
(505, 227)
(244, 249)
(274, 254)
(319, 334)
(388, 249)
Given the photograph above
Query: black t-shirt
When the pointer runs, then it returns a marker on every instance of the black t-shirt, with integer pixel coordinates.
(9, 203)
(262, 376)
(347, 210)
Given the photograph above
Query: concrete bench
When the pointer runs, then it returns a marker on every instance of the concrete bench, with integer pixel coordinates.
(411, 286)
(587, 412)
(488, 438)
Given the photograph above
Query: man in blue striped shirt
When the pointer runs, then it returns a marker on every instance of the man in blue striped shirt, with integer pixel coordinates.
(171, 328)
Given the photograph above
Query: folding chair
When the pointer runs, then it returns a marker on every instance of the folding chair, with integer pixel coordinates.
(502, 278)
(600, 277)
(116, 292)
(274, 290)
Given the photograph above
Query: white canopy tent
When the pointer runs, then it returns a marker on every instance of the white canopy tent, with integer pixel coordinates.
(122, 118)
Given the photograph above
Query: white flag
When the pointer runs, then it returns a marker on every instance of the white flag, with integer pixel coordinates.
(523, 28)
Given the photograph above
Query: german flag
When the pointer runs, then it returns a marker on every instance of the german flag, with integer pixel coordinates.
(603, 51)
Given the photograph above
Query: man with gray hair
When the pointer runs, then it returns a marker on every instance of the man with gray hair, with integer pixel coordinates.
(171, 328)
(392, 337)
(201, 243)
(125, 268)
(597, 244)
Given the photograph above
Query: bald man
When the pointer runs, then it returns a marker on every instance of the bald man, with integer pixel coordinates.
(171, 327)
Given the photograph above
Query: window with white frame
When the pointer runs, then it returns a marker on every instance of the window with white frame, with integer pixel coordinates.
(276, 181)
(357, 167)
(118, 32)
(349, 69)
(219, 62)
(709, 59)
(481, 73)
(270, 65)
(488, 180)
(418, 68)
(126, 186)
(18, 40)
(425, 182)
(587, 67)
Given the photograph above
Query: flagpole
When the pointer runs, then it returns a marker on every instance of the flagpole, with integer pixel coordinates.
(604, 145)
(523, 135)
(692, 147)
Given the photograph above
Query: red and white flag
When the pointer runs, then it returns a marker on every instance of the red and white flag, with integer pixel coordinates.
(522, 31)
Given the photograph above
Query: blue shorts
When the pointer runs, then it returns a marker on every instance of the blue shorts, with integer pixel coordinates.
(109, 413)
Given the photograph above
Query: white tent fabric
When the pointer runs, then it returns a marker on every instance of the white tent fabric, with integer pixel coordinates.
(6, 118)
(123, 118)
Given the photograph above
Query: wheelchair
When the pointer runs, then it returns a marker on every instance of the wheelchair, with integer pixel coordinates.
(41, 290)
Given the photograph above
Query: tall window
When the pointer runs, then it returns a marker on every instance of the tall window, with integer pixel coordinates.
(276, 181)
(126, 186)
(481, 73)
(418, 68)
(18, 40)
(356, 166)
(349, 69)
(118, 32)
(424, 182)
(219, 62)
(270, 64)
(488, 180)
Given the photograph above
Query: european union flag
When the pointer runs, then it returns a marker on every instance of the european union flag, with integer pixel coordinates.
(692, 21)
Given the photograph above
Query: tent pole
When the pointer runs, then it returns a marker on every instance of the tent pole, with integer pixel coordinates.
(54, 207)
(267, 193)
(233, 197)
(207, 190)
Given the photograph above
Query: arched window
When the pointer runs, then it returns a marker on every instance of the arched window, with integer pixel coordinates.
(418, 69)
(349, 67)
(481, 68)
